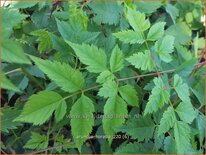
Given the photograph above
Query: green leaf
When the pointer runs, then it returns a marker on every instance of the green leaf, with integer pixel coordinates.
(7, 84)
(186, 112)
(92, 56)
(182, 136)
(37, 141)
(108, 89)
(165, 47)
(40, 107)
(107, 13)
(8, 115)
(45, 42)
(82, 120)
(70, 33)
(167, 121)
(140, 128)
(133, 148)
(130, 36)
(115, 110)
(12, 52)
(179, 31)
(129, 94)
(23, 5)
(10, 18)
(148, 6)
(158, 98)
(62, 74)
(116, 59)
(169, 145)
(156, 31)
(104, 77)
(137, 20)
(142, 60)
(181, 88)
(173, 12)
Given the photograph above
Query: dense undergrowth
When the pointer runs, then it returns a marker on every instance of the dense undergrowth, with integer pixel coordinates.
(103, 77)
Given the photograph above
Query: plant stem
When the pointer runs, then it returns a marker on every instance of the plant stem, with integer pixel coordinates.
(145, 75)
(13, 71)
(51, 148)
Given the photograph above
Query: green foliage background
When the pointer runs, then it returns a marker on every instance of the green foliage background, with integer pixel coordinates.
(138, 65)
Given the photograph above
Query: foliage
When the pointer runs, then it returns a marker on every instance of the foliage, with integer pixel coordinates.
(116, 77)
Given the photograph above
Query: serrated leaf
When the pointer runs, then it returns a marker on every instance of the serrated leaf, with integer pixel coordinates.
(115, 110)
(186, 112)
(181, 88)
(142, 60)
(165, 47)
(167, 121)
(69, 33)
(7, 84)
(12, 52)
(182, 136)
(156, 31)
(129, 94)
(132, 148)
(137, 20)
(108, 89)
(107, 13)
(147, 6)
(93, 57)
(45, 42)
(82, 120)
(40, 107)
(104, 77)
(8, 115)
(130, 36)
(7, 25)
(62, 74)
(37, 141)
(140, 128)
(116, 59)
(158, 98)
